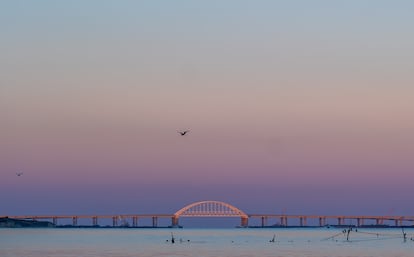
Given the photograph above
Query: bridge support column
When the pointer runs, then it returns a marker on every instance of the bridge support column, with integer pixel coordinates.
(302, 221)
(264, 221)
(114, 221)
(54, 221)
(74, 221)
(155, 221)
(398, 223)
(174, 221)
(340, 221)
(360, 222)
(135, 221)
(244, 222)
(283, 221)
(322, 221)
(95, 221)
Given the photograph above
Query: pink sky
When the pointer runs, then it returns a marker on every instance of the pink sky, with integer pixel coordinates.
(306, 112)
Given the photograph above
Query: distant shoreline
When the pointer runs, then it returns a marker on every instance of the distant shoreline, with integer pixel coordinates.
(7, 222)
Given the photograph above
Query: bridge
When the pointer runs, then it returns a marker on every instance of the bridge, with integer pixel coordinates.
(222, 209)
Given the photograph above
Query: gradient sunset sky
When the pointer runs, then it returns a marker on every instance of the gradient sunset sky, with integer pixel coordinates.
(301, 107)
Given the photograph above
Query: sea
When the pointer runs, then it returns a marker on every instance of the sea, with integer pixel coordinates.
(206, 242)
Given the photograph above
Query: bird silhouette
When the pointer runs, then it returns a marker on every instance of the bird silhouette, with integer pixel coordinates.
(19, 174)
(183, 133)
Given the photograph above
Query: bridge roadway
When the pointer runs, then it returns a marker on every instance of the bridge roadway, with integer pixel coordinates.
(359, 220)
(94, 218)
(281, 219)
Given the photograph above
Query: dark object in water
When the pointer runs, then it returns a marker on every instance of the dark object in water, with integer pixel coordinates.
(172, 238)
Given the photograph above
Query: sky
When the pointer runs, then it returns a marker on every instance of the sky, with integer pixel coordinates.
(297, 107)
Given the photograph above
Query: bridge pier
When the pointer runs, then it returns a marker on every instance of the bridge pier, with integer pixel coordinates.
(155, 221)
(114, 221)
(360, 222)
(174, 221)
(302, 221)
(340, 221)
(244, 222)
(95, 221)
(322, 221)
(379, 221)
(75, 221)
(398, 222)
(135, 221)
(264, 221)
(54, 220)
(283, 221)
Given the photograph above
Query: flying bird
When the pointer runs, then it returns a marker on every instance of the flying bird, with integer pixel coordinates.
(182, 133)
(19, 174)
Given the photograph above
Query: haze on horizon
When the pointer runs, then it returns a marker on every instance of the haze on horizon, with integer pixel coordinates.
(293, 106)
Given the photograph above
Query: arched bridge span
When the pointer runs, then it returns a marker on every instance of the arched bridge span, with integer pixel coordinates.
(210, 209)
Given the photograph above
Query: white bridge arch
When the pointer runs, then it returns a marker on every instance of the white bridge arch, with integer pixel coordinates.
(210, 209)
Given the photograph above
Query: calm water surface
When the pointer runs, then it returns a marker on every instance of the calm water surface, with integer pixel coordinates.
(111, 242)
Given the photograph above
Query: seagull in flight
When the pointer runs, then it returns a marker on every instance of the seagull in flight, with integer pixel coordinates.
(183, 133)
(19, 174)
